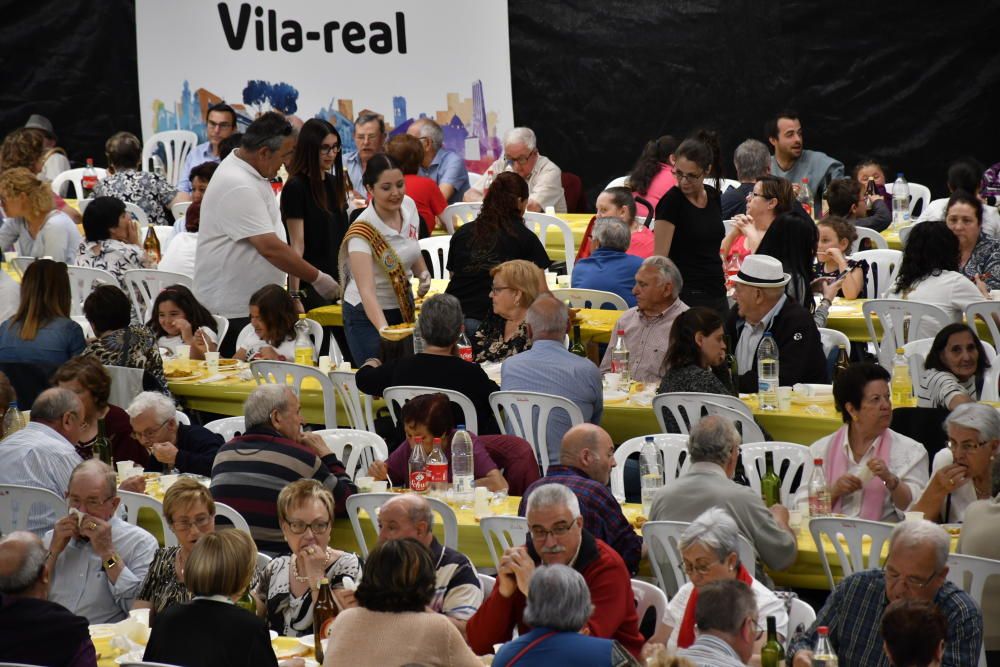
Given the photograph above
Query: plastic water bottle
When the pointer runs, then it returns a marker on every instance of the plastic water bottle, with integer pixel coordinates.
(489, 181)
(767, 372)
(900, 202)
(463, 479)
(650, 476)
(464, 347)
(902, 386)
(418, 467)
(824, 655)
(805, 197)
(819, 492)
(303, 344)
(418, 338)
(437, 470)
(619, 359)
(13, 420)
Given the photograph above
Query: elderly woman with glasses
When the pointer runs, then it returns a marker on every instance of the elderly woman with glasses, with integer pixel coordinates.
(964, 472)
(190, 512)
(503, 333)
(289, 584)
(188, 448)
(710, 549)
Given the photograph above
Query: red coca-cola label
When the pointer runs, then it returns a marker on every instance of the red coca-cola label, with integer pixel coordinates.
(88, 182)
(438, 472)
(465, 351)
(419, 479)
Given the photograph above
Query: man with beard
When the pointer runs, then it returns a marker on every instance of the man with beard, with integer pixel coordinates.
(791, 161)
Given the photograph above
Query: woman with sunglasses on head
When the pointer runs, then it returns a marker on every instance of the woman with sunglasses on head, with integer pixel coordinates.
(314, 204)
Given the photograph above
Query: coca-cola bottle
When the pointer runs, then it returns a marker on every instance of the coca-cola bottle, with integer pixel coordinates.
(88, 181)
(464, 347)
(419, 477)
(437, 468)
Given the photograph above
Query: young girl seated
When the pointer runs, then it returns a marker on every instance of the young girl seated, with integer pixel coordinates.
(271, 334)
(835, 236)
(178, 319)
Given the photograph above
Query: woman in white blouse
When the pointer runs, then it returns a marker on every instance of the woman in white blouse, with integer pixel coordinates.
(872, 472)
(929, 274)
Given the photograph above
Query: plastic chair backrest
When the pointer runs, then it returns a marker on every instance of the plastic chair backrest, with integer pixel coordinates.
(74, 176)
(465, 213)
(800, 614)
(527, 416)
(916, 353)
(357, 405)
(133, 502)
(140, 216)
(29, 508)
(486, 582)
(176, 145)
(145, 284)
(227, 427)
(436, 248)
(898, 319)
(333, 347)
(82, 281)
(126, 384)
(748, 428)
(662, 540)
(883, 265)
(179, 210)
(877, 240)
(987, 311)
(831, 339)
(790, 460)
(371, 502)
(358, 449)
(262, 561)
(590, 298)
(502, 533)
(851, 531)
(673, 458)
(540, 223)
(221, 327)
(399, 395)
(617, 182)
(687, 406)
(646, 596)
(970, 573)
(182, 418)
(918, 193)
(279, 372)
(21, 264)
(234, 517)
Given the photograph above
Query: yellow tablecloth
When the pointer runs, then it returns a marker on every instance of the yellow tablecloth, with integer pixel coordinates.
(892, 238)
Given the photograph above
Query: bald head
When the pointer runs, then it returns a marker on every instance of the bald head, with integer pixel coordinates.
(22, 565)
(589, 448)
(547, 318)
(407, 515)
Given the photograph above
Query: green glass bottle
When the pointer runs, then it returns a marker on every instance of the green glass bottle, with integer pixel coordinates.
(247, 602)
(770, 483)
(102, 445)
(577, 348)
(772, 654)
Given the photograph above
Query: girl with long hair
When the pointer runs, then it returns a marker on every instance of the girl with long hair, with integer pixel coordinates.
(271, 332)
(179, 319)
(41, 330)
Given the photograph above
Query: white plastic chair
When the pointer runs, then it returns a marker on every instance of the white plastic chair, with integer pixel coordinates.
(527, 416)
(852, 531)
(357, 405)
(182, 418)
(279, 372)
(179, 210)
(918, 193)
(502, 533)
(878, 241)
(88, 331)
(673, 456)
(904, 233)
(82, 281)
(146, 284)
(486, 582)
(540, 224)
(133, 502)
(647, 595)
(401, 394)
(901, 320)
(970, 573)
(18, 501)
(800, 613)
(617, 182)
(315, 334)
(176, 144)
(465, 213)
(358, 449)
(335, 354)
(662, 540)
(262, 561)
(164, 233)
(883, 265)
(234, 517)
(916, 353)
(21, 264)
(831, 339)
(988, 311)
(436, 247)
(590, 298)
(141, 217)
(227, 427)
(126, 384)
(75, 176)
(798, 459)
(687, 408)
(221, 327)
(371, 502)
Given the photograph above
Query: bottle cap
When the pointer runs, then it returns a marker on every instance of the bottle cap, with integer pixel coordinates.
(805, 179)
(621, 332)
(823, 630)
(899, 350)
(817, 462)
(324, 581)
(461, 427)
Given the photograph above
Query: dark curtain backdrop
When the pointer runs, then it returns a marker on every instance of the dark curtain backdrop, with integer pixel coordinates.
(913, 84)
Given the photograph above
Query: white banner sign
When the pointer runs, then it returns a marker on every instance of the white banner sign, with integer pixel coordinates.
(445, 59)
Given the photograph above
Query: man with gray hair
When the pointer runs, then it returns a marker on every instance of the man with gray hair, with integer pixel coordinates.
(915, 569)
(251, 469)
(609, 267)
(520, 155)
(439, 365)
(33, 630)
(444, 167)
(752, 160)
(242, 243)
(43, 454)
(646, 326)
(369, 139)
(557, 537)
(714, 448)
(549, 368)
(188, 448)
(726, 616)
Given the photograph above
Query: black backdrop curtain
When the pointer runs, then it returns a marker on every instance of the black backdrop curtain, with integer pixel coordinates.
(913, 84)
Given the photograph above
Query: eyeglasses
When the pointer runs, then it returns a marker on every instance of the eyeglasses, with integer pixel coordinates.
(701, 568)
(150, 432)
(913, 583)
(222, 126)
(200, 522)
(540, 534)
(299, 527)
(758, 631)
(751, 195)
(966, 447)
(90, 504)
(520, 160)
(499, 288)
(365, 138)
(326, 150)
(681, 176)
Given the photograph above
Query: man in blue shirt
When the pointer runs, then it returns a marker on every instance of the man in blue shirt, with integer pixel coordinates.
(369, 138)
(609, 268)
(549, 368)
(444, 167)
(220, 122)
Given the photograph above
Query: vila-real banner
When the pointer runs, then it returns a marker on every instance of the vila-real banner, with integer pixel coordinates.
(444, 59)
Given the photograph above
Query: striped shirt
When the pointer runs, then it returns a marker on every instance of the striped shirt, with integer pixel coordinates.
(457, 592)
(251, 470)
(711, 651)
(40, 457)
(938, 388)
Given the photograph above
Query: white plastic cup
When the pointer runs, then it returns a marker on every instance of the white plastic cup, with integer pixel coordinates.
(550, 210)
(365, 484)
(562, 281)
(913, 516)
(325, 364)
(795, 519)
(212, 361)
(124, 468)
(613, 380)
(550, 280)
(183, 352)
(784, 399)
(380, 486)
(166, 481)
(481, 501)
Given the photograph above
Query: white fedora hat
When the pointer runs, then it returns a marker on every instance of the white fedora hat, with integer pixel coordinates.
(762, 271)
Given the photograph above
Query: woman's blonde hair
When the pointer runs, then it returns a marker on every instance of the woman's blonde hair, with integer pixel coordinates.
(23, 147)
(221, 563)
(523, 276)
(184, 493)
(45, 296)
(21, 181)
(300, 491)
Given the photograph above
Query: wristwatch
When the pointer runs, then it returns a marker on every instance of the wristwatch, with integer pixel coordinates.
(112, 562)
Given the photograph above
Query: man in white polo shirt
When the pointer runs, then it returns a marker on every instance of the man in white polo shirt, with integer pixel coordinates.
(242, 244)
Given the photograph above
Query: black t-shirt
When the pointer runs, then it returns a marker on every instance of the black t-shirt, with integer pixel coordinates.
(470, 260)
(323, 231)
(698, 234)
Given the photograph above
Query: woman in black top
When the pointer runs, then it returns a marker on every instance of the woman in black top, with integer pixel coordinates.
(688, 224)
(498, 235)
(313, 205)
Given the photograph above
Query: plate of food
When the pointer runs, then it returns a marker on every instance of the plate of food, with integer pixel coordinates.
(309, 641)
(288, 647)
(615, 396)
(180, 375)
(954, 529)
(224, 364)
(396, 331)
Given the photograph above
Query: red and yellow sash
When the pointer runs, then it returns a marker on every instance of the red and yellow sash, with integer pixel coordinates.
(386, 258)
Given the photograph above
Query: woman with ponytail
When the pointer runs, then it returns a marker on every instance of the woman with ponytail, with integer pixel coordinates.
(653, 173)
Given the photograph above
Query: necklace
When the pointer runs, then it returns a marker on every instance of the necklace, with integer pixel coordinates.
(295, 569)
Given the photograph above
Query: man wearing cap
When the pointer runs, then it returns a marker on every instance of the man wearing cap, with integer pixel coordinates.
(762, 307)
(54, 160)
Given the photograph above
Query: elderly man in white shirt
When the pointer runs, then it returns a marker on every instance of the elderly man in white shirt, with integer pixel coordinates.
(42, 454)
(98, 561)
(520, 155)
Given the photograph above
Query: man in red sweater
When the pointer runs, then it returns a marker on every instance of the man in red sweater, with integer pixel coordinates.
(558, 537)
